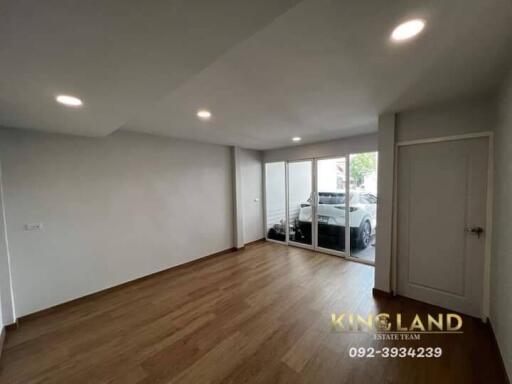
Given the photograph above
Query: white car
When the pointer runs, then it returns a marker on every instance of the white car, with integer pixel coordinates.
(331, 219)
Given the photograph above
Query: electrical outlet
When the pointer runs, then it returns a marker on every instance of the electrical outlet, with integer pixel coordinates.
(33, 227)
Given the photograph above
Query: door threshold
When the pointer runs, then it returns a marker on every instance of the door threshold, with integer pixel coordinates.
(330, 253)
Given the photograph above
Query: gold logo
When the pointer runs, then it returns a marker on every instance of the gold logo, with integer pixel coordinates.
(396, 324)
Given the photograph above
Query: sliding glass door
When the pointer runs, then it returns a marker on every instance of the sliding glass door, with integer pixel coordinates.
(275, 201)
(363, 205)
(300, 207)
(330, 204)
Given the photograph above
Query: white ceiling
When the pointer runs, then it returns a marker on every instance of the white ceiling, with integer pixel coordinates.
(267, 69)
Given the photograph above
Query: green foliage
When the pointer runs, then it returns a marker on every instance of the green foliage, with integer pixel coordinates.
(362, 164)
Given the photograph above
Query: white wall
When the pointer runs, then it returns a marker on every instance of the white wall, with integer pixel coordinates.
(447, 119)
(252, 194)
(3, 259)
(6, 308)
(383, 242)
(113, 209)
(501, 269)
(355, 144)
(238, 204)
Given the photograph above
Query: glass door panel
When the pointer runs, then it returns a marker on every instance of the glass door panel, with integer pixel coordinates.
(275, 203)
(363, 205)
(330, 204)
(300, 208)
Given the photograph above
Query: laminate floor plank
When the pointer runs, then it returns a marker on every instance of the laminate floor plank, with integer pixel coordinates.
(259, 315)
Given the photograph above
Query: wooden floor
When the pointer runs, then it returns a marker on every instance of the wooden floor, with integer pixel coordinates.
(262, 315)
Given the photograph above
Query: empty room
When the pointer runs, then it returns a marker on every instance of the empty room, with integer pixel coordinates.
(240, 191)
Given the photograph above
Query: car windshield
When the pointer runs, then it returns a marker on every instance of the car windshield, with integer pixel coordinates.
(336, 198)
(331, 198)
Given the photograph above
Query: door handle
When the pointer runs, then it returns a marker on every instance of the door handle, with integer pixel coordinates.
(475, 230)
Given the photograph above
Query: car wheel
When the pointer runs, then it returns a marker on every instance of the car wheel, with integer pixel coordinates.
(365, 234)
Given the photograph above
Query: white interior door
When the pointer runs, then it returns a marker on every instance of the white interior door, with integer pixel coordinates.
(441, 209)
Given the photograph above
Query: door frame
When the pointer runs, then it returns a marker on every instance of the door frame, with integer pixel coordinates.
(485, 304)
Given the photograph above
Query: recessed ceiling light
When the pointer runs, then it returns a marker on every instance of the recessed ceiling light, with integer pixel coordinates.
(204, 114)
(407, 30)
(70, 101)
(296, 138)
